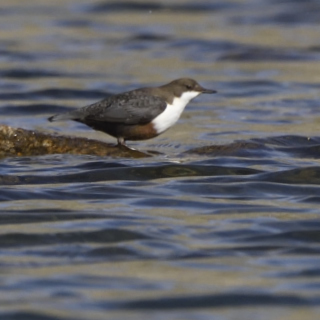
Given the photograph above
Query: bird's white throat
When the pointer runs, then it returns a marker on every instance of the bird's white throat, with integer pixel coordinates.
(173, 112)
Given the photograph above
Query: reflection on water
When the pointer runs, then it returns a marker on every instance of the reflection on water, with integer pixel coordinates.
(223, 221)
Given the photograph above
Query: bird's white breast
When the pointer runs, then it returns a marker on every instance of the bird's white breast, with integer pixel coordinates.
(173, 112)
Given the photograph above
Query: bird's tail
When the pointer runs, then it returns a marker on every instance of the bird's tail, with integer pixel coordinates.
(63, 117)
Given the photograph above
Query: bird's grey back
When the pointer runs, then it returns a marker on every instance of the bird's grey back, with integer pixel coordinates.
(133, 107)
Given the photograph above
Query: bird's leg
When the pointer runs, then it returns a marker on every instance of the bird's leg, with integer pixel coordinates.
(121, 142)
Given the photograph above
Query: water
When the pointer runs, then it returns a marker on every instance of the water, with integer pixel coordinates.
(222, 223)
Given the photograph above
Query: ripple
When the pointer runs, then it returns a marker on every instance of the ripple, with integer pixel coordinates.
(102, 236)
(222, 222)
(55, 94)
(214, 301)
(109, 7)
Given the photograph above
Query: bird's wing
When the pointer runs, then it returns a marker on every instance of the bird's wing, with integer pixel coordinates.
(135, 107)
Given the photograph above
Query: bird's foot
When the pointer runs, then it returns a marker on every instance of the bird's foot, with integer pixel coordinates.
(124, 147)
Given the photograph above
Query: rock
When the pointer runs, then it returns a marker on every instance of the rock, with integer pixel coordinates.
(238, 148)
(20, 142)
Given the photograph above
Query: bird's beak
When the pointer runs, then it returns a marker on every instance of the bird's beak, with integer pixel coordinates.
(203, 90)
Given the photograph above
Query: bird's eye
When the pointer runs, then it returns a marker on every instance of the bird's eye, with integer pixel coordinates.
(189, 87)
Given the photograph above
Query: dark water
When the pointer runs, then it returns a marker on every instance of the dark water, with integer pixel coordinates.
(230, 232)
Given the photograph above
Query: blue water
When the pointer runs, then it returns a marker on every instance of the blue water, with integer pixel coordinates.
(222, 222)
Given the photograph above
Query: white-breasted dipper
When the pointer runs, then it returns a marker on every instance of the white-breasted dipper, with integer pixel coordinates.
(138, 114)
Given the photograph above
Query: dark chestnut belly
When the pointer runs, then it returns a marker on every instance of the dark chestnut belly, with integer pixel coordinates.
(125, 131)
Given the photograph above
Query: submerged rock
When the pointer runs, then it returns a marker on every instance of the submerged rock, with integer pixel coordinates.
(238, 148)
(20, 142)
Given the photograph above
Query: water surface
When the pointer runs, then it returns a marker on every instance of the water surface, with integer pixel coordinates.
(229, 232)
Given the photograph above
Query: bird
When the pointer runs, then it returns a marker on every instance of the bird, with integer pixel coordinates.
(139, 114)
